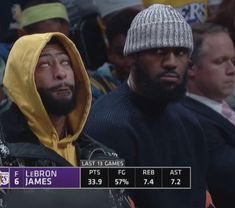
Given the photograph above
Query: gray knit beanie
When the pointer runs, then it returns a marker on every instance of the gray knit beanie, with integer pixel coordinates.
(158, 26)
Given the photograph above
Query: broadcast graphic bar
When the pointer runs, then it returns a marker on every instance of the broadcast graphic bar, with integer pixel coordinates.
(95, 177)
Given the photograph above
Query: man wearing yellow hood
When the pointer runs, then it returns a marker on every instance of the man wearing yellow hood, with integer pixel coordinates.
(51, 98)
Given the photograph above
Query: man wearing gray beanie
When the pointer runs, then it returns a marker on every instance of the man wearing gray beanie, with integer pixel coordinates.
(142, 119)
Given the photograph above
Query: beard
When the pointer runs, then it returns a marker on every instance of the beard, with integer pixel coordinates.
(156, 91)
(54, 106)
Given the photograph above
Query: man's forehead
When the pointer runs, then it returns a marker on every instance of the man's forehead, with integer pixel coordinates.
(172, 48)
(218, 40)
(53, 49)
(166, 50)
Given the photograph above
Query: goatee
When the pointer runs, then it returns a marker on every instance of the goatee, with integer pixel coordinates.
(157, 91)
(54, 106)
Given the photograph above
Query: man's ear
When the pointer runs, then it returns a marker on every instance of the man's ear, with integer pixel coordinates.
(191, 68)
(190, 63)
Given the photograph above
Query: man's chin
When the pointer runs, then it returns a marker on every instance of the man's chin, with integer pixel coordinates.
(62, 99)
(57, 104)
(164, 94)
(169, 87)
(62, 107)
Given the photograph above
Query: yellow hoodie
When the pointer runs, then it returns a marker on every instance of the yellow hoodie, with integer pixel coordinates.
(20, 84)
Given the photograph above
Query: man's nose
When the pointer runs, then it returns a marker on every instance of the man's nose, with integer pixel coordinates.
(169, 61)
(230, 68)
(59, 71)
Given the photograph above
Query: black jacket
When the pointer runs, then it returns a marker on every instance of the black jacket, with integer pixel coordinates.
(20, 147)
(220, 135)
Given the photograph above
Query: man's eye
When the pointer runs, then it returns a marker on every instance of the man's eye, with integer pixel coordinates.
(219, 60)
(65, 62)
(233, 61)
(159, 51)
(44, 65)
(181, 52)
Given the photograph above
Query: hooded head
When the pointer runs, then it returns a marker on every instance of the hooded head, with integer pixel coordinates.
(19, 80)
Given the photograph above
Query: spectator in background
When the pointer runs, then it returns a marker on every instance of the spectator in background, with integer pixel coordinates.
(211, 78)
(40, 16)
(141, 120)
(4, 101)
(11, 12)
(74, 11)
(213, 8)
(9, 21)
(9, 16)
(8, 35)
(113, 73)
(225, 16)
(107, 9)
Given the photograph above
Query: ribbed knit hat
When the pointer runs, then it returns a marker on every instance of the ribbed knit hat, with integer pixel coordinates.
(158, 26)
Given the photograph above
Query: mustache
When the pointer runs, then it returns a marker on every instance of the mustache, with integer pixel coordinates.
(166, 73)
(58, 86)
